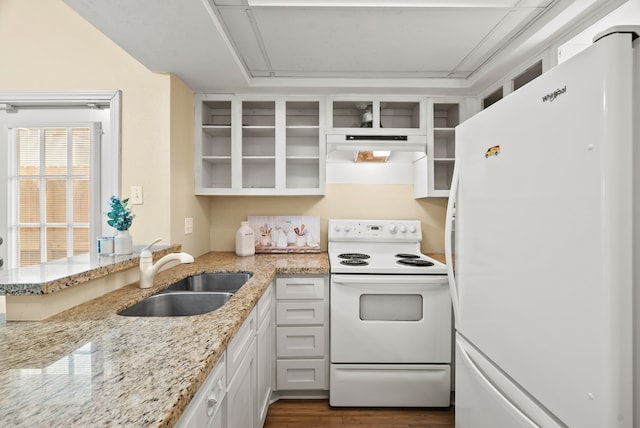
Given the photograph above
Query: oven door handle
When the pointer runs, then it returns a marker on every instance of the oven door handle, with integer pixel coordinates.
(390, 279)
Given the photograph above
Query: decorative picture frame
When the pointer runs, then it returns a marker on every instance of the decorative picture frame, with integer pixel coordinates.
(286, 234)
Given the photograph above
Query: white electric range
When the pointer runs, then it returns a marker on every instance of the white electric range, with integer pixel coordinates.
(390, 317)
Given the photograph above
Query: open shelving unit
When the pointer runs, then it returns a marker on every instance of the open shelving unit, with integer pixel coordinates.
(259, 146)
(216, 142)
(433, 173)
(302, 134)
(445, 118)
(388, 115)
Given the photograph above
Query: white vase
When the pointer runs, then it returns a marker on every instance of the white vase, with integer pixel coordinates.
(122, 243)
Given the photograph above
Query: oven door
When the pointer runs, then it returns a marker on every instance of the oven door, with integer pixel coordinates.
(390, 319)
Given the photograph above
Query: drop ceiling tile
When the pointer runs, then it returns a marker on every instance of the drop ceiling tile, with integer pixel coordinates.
(372, 41)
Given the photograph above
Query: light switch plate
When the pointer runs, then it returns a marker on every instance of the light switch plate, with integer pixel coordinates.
(188, 225)
(136, 195)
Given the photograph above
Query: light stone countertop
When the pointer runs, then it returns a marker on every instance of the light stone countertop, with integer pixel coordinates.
(46, 278)
(89, 367)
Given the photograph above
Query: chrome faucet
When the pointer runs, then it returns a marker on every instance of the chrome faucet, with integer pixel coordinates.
(148, 270)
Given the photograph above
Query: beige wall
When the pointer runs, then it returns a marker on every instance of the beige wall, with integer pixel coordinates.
(45, 45)
(183, 202)
(375, 201)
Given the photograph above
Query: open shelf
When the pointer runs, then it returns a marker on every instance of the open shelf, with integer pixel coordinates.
(216, 173)
(253, 145)
(402, 115)
(216, 113)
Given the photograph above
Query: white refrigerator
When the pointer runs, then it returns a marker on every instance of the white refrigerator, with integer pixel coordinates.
(545, 290)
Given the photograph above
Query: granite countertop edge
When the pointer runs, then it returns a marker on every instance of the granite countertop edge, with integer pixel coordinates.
(34, 280)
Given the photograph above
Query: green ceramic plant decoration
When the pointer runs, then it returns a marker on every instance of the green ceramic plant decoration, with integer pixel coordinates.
(120, 216)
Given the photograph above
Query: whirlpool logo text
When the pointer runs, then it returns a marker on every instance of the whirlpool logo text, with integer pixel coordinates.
(555, 94)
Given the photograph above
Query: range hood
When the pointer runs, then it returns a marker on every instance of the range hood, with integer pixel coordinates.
(370, 142)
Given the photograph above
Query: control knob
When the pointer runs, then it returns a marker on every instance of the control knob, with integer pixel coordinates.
(393, 229)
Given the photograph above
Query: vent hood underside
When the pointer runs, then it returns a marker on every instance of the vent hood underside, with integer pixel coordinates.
(392, 143)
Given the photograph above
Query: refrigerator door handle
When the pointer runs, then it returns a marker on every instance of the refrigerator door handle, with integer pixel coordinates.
(448, 228)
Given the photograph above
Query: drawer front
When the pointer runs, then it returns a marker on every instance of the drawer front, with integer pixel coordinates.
(300, 342)
(240, 343)
(301, 313)
(302, 374)
(265, 303)
(300, 288)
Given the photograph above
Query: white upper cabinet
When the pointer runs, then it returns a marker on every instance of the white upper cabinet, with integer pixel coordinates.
(377, 115)
(259, 146)
(433, 173)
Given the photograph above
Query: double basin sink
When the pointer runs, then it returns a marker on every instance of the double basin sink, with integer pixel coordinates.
(193, 295)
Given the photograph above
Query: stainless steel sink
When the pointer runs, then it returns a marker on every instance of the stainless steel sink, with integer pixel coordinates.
(228, 282)
(177, 304)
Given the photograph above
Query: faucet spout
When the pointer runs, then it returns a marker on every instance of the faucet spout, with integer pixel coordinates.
(148, 270)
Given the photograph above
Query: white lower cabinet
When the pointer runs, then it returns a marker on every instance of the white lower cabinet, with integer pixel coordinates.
(207, 408)
(302, 335)
(279, 351)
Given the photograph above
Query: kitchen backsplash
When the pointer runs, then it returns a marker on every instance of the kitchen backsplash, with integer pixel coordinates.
(377, 201)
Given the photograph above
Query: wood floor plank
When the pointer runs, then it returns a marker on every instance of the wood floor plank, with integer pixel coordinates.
(318, 414)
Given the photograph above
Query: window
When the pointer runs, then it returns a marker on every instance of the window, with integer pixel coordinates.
(527, 76)
(51, 180)
(492, 98)
(58, 150)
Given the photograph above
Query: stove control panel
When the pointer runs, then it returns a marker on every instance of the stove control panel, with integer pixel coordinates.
(375, 230)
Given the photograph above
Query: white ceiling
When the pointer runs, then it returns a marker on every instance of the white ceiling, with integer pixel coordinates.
(301, 46)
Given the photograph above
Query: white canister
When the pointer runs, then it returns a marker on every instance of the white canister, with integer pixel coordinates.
(245, 240)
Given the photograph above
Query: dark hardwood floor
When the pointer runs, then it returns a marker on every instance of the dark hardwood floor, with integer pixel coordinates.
(318, 414)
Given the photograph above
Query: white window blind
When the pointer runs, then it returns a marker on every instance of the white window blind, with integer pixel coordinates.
(52, 186)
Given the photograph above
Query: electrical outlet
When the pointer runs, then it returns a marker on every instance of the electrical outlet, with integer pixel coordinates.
(188, 225)
(136, 195)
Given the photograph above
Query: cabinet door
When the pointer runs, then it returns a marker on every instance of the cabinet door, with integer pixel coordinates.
(265, 360)
(240, 343)
(241, 393)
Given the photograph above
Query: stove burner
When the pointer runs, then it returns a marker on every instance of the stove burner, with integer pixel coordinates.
(353, 256)
(407, 256)
(415, 262)
(354, 262)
